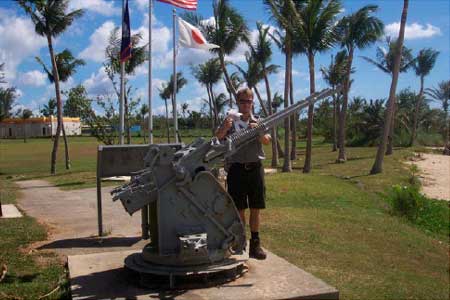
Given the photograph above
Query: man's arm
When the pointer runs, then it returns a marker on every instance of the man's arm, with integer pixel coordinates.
(222, 131)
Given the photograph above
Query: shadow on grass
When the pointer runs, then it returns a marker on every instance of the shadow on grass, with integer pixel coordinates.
(88, 242)
(21, 279)
(70, 183)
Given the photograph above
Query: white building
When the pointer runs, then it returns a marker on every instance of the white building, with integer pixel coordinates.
(37, 127)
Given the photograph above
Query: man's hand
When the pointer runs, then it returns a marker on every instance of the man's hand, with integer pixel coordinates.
(265, 139)
(252, 124)
(222, 131)
(227, 123)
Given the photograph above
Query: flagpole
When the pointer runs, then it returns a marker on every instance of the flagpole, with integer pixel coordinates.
(174, 92)
(150, 113)
(122, 90)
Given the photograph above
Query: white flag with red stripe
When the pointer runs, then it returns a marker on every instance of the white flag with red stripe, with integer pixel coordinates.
(186, 4)
(191, 37)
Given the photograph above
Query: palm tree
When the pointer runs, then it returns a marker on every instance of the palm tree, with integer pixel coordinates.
(143, 111)
(208, 74)
(282, 14)
(255, 74)
(66, 65)
(378, 163)
(24, 114)
(7, 98)
(334, 75)
(357, 31)
(296, 48)
(262, 54)
(184, 109)
(112, 68)
(227, 31)
(423, 64)
(442, 94)
(315, 22)
(166, 93)
(49, 108)
(385, 61)
(50, 20)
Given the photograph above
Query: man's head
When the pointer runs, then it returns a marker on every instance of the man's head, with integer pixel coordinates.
(245, 100)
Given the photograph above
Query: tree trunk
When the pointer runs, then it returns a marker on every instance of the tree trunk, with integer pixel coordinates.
(58, 107)
(293, 123)
(167, 122)
(312, 89)
(390, 145)
(273, 131)
(228, 83)
(213, 124)
(447, 131)
(214, 104)
(378, 163)
(66, 147)
(261, 103)
(342, 156)
(334, 149)
(416, 113)
(287, 78)
(338, 115)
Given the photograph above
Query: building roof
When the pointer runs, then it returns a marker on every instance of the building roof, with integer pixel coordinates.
(37, 120)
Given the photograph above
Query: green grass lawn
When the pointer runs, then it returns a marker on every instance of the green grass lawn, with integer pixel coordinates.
(334, 222)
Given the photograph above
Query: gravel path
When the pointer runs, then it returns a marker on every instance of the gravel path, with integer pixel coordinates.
(435, 170)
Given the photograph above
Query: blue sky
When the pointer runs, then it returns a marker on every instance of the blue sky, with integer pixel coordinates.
(427, 26)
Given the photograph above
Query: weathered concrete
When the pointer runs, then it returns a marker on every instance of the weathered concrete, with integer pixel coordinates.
(72, 219)
(10, 211)
(102, 276)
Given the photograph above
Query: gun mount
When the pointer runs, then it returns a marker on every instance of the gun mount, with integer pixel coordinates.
(193, 220)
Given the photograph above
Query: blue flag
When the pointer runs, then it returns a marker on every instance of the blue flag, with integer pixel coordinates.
(125, 46)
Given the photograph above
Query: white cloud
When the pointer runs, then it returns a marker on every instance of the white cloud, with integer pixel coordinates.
(98, 42)
(18, 41)
(413, 31)
(102, 7)
(99, 83)
(33, 78)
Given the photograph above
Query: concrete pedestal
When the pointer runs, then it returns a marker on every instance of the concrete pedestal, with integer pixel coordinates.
(102, 276)
(10, 211)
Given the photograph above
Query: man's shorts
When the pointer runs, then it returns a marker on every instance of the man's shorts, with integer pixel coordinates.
(246, 185)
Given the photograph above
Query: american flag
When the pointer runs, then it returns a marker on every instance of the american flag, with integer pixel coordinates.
(186, 4)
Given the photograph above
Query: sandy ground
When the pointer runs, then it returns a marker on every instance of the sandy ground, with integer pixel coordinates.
(435, 173)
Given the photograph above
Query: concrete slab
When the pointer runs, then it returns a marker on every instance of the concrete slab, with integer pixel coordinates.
(10, 211)
(71, 217)
(102, 276)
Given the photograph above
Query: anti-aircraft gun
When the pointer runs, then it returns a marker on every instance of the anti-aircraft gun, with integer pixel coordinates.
(193, 221)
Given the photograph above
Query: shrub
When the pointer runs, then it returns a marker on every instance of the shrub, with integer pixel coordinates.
(430, 214)
(406, 201)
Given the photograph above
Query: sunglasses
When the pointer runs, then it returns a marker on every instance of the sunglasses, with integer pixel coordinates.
(245, 101)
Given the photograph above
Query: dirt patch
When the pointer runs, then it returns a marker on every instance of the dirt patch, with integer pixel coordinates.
(435, 174)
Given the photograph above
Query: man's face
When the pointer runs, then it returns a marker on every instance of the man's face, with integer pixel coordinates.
(245, 104)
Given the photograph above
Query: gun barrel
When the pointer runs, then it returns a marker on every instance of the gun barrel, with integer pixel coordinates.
(276, 118)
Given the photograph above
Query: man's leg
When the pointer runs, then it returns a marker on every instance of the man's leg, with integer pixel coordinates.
(254, 219)
(255, 244)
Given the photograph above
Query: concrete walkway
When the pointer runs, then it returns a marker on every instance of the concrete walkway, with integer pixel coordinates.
(71, 217)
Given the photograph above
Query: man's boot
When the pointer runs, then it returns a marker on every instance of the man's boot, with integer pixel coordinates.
(255, 249)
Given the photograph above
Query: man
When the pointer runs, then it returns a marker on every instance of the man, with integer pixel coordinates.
(245, 178)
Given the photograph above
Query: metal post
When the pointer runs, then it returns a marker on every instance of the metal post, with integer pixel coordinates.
(150, 113)
(144, 222)
(122, 94)
(174, 94)
(99, 191)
